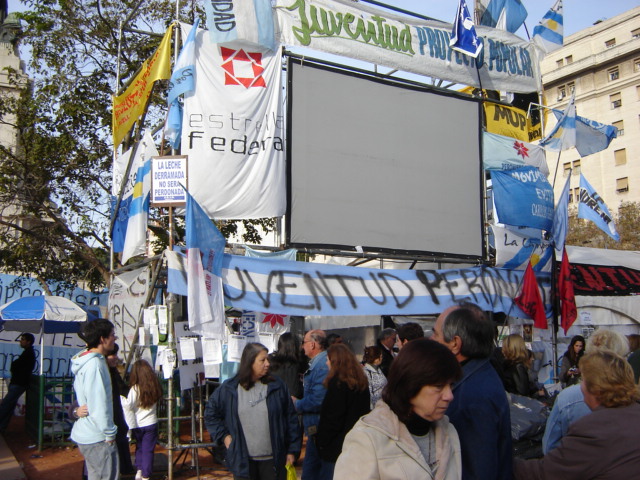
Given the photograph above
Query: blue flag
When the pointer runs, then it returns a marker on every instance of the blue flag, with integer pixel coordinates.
(523, 197)
(463, 36)
(203, 234)
(182, 81)
(561, 217)
(592, 207)
(504, 14)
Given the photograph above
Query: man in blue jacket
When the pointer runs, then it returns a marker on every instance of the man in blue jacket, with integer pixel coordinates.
(480, 409)
(95, 434)
(314, 346)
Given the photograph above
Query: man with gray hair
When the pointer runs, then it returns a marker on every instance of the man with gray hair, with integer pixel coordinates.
(480, 409)
(386, 341)
(314, 345)
(569, 405)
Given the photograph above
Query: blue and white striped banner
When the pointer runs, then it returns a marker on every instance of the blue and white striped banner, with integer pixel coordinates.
(300, 288)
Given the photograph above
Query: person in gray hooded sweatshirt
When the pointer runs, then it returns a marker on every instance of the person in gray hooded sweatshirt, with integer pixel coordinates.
(95, 433)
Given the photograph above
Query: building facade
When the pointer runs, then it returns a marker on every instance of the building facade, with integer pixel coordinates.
(602, 65)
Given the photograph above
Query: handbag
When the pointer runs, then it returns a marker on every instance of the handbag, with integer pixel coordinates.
(291, 472)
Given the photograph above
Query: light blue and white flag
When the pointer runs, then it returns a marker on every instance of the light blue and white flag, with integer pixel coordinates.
(563, 135)
(514, 251)
(592, 207)
(507, 153)
(591, 136)
(182, 82)
(504, 14)
(246, 22)
(134, 208)
(549, 34)
(205, 250)
(561, 217)
(463, 36)
(523, 197)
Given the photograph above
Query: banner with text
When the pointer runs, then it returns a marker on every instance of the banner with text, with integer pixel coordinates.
(510, 122)
(127, 296)
(523, 197)
(300, 288)
(233, 131)
(355, 30)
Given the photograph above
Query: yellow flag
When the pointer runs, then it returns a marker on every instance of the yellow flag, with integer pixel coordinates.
(510, 122)
(128, 107)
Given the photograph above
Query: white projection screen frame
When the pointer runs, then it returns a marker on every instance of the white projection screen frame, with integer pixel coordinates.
(385, 166)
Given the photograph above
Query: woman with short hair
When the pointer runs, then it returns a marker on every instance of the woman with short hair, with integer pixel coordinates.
(371, 361)
(604, 444)
(408, 435)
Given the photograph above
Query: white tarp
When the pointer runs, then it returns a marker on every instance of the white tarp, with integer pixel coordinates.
(233, 131)
(355, 30)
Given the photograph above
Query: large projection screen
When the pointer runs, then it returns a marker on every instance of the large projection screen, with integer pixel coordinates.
(385, 166)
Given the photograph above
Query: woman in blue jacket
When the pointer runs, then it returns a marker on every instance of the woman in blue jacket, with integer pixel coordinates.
(253, 416)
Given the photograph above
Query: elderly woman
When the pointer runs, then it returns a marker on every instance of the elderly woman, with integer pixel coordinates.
(407, 435)
(253, 416)
(603, 444)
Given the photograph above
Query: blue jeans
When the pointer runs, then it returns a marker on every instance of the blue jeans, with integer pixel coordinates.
(315, 468)
(9, 403)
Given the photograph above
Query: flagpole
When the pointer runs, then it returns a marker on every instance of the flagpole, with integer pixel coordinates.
(554, 322)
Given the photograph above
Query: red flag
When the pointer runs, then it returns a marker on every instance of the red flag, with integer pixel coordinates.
(530, 301)
(568, 310)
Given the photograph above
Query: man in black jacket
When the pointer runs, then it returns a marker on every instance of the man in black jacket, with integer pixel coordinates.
(21, 369)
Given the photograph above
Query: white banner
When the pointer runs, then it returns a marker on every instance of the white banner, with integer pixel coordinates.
(354, 30)
(127, 296)
(233, 131)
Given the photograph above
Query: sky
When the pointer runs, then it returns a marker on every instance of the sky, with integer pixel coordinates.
(578, 14)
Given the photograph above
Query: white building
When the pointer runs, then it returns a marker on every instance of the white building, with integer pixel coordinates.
(602, 64)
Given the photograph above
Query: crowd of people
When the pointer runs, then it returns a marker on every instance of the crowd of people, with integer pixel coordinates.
(414, 407)
(438, 407)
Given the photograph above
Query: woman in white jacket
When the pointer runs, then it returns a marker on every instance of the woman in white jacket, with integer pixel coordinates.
(407, 435)
(140, 412)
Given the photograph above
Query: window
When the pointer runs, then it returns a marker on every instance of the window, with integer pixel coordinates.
(635, 33)
(576, 167)
(569, 59)
(620, 156)
(616, 100)
(613, 74)
(620, 126)
(636, 65)
(610, 43)
(571, 87)
(562, 92)
(559, 63)
(574, 195)
(567, 168)
(622, 185)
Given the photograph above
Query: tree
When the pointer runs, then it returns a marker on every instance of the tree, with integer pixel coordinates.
(55, 188)
(585, 233)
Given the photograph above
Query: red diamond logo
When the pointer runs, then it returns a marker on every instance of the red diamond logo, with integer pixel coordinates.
(242, 68)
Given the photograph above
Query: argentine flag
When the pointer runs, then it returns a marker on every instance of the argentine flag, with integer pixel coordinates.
(136, 233)
(549, 34)
(563, 135)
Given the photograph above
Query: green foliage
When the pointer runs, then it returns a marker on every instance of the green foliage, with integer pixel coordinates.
(585, 233)
(55, 188)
